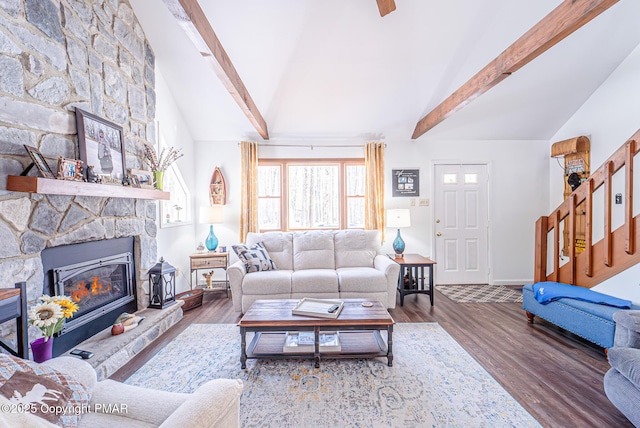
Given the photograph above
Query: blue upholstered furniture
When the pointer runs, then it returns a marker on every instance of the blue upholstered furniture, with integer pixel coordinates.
(590, 321)
(622, 381)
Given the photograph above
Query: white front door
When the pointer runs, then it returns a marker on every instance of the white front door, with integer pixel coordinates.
(461, 223)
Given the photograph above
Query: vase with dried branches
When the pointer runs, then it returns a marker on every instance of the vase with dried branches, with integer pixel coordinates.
(159, 164)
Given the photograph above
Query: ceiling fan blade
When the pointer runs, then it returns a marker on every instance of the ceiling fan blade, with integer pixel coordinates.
(386, 6)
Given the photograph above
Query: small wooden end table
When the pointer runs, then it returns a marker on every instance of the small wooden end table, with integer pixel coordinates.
(210, 261)
(412, 266)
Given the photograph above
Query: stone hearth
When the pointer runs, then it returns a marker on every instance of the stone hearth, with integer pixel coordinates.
(113, 352)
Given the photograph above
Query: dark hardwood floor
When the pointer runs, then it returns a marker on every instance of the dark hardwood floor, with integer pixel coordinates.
(556, 377)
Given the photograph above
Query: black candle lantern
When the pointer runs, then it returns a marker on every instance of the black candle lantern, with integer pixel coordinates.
(162, 285)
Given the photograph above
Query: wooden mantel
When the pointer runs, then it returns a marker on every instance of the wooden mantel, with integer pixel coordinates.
(16, 183)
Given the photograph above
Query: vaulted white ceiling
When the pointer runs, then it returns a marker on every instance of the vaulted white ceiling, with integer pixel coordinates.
(334, 69)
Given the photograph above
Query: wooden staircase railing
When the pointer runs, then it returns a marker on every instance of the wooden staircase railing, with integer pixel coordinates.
(616, 251)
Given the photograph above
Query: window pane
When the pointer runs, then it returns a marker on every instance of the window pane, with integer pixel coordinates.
(269, 213)
(355, 212)
(449, 178)
(314, 196)
(471, 178)
(269, 181)
(355, 175)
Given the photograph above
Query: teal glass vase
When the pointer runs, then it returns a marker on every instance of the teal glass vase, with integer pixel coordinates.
(212, 241)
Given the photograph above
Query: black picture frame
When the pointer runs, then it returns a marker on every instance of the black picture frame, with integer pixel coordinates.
(406, 182)
(40, 162)
(101, 145)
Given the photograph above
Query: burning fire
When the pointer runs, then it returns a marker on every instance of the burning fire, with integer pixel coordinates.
(94, 289)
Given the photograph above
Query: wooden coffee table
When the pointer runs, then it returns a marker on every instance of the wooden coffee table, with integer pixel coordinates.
(359, 329)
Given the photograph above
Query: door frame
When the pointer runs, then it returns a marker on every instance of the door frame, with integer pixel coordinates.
(488, 164)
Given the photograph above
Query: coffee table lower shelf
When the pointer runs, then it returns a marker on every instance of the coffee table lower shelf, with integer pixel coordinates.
(354, 344)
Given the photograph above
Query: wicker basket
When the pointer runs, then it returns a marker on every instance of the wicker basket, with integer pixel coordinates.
(192, 298)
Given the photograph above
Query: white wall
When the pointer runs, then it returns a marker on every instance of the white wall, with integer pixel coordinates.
(609, 117)
(176, 243)
(518, 191)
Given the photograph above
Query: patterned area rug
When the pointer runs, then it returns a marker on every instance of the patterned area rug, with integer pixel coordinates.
(433, 382)
(481, 293)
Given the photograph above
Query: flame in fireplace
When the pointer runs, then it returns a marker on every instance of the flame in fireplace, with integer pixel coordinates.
(96, 288)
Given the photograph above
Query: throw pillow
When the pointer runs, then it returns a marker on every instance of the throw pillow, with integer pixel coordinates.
(80, 395)
(38, 394)
(255, 258)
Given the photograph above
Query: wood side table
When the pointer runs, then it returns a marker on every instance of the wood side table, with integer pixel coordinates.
(210, 261)
(411, 279)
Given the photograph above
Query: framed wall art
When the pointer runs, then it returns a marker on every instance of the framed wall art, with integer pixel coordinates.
(406, 182)
(101, 145)
(39, 161)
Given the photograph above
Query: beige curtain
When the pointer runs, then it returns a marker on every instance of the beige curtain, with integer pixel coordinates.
(374, 192)
(249, 198)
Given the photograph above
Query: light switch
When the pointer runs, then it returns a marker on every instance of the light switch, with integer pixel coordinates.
(424, 202)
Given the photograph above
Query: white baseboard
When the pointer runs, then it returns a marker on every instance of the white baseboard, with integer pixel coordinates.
(513, 281)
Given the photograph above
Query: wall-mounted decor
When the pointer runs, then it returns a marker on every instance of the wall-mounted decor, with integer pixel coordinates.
(406, 182)
(39, 162)
(218, 188)
(101, 144)
(70, 169)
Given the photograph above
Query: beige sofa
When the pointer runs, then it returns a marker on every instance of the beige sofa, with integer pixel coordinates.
(113, 404)
(319, 264)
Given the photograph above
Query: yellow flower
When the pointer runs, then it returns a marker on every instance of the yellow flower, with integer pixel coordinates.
(50, 312)
(68, 306)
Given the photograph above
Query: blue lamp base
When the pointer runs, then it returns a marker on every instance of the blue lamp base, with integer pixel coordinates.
(398, 245)
(212, 241)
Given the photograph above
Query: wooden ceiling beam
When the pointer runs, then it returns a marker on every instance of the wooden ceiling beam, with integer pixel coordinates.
(386, 6)
(197, 27)
(569, 16)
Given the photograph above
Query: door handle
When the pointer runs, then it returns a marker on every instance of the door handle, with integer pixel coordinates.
(439, 234)
(437, 220)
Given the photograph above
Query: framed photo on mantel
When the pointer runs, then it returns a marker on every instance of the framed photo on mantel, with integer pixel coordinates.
(101, 145)
(406, 182)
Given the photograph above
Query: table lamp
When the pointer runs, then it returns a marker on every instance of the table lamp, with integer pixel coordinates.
(211, 215)
(398, 218)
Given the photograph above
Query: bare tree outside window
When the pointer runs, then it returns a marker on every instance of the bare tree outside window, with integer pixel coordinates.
(311, 194)
(269, 197)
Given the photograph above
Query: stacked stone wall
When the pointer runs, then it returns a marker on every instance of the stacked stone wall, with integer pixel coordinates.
(56, 55)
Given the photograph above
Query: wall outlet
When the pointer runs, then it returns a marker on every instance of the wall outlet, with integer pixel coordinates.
(424, 202)
(412, 202)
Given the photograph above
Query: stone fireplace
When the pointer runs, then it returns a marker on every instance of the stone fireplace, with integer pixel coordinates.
(56, 56)
(99, 277)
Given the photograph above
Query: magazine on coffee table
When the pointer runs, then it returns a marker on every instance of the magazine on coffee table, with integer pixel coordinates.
(304, 341)
(322, 308)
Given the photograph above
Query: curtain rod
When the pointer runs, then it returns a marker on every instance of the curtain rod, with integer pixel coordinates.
(312, 146)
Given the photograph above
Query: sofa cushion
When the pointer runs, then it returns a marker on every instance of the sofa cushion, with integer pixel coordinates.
(278, 244)
(361, 279)
(313, 249)
(80, 395)
(255, 257)
(31, 391)
(356, 248)
(314, 281)
(627, 362)
(267, 282)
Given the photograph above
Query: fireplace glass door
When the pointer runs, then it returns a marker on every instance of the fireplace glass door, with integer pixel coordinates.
(96, 286)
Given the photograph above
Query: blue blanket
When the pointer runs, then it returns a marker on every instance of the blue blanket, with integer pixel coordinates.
(547, 292)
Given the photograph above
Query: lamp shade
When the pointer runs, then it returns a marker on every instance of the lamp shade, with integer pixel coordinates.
(398, 218)
(211, 215)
